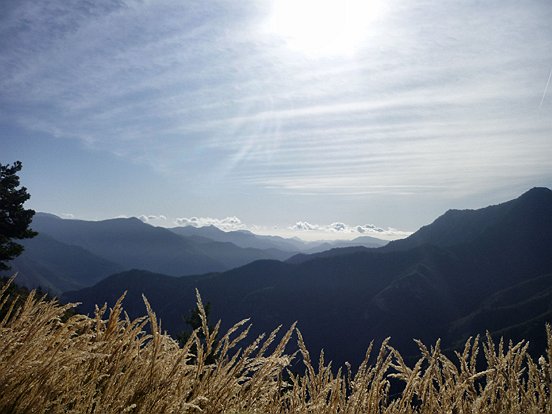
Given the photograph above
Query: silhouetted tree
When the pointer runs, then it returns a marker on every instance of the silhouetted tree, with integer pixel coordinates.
(14, 219)
(193, 320)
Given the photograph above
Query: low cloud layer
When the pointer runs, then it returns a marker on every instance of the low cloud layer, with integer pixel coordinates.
(339, 227)
(301, 228)
(226, 224)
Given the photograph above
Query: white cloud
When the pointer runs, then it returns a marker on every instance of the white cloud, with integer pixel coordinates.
(302, 229)
(367, 228)
(226, 224)
(152, 218)
(338, 226)
(303, 225)
(342, 228)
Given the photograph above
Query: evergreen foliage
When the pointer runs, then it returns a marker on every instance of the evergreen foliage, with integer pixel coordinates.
(196, 320)
(14, 219)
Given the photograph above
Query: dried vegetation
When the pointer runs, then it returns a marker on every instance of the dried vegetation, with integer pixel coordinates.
(111, 364)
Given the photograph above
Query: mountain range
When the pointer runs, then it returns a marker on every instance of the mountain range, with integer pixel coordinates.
(468, 271)
(247, 239)
(72, 254)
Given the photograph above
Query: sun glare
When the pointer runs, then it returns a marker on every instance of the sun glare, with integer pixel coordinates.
(324, 27)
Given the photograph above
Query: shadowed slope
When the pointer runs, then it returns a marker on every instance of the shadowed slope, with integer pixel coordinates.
(419, 291)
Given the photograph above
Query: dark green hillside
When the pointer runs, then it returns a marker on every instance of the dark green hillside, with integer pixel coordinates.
(517, 312)
(338, 251)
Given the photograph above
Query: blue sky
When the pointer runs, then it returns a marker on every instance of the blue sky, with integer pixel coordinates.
(276, 113)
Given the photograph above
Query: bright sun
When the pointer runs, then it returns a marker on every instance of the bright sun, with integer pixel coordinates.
(324, 27)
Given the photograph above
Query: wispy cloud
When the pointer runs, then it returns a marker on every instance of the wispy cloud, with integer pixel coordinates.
(545, 89)
(440, 98)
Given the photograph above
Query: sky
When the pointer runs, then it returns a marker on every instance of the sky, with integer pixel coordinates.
(326, 119)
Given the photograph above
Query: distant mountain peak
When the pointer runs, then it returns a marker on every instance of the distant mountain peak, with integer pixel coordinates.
(125, 220)
(539, 190)
(461, 226)
(210, 227)
(47, 215)
(537, 193)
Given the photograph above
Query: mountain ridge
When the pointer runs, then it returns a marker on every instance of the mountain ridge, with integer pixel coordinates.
(416, 292)
(134, 244)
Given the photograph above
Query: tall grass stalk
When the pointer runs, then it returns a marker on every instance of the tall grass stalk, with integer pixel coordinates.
(111, 364)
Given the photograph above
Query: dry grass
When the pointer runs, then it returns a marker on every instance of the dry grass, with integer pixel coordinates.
(109, 364)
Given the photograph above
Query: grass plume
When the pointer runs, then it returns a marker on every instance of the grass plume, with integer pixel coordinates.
(54, 363)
